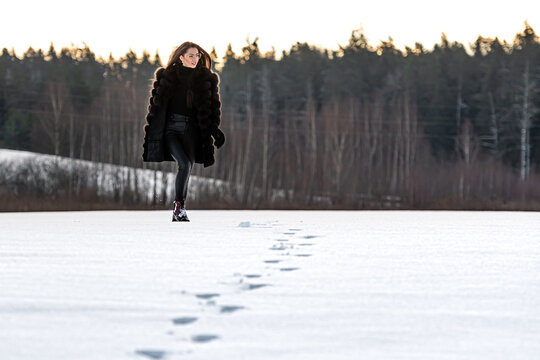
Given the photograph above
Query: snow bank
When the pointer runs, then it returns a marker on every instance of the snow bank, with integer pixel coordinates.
(49, 173)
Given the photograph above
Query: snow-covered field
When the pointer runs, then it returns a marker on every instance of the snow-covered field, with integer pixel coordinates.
(270, 285)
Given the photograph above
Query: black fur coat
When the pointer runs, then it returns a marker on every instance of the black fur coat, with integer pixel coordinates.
(208, 114)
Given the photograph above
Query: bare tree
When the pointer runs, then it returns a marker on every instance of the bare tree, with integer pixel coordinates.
(266, 109)
(53, 126)
(337, 130)
(468, 149)
(396, 143)
(528, 110)
(372, 120)
(311, 142)
(411, 132)
(246, 156)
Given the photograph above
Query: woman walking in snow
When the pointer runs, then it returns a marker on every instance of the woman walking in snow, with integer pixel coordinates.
(183, 117)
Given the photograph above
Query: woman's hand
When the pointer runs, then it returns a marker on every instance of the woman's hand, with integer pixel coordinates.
(219, 137)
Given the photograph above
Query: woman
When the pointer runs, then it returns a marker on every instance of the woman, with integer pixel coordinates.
(183, 117)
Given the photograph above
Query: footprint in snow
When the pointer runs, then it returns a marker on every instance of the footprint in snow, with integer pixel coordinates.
(247, 224)
(184, 320)
(251, 276)
(151, 354)
(230, 308)
(289, 269)
(253, 286)
(206, 296)
(203, 338)
(280, 247)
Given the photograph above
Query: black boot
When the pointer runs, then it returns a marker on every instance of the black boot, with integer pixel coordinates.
(179, 212)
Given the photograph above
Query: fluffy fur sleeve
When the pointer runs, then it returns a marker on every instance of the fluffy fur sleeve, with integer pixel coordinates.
(215, 101)
(153, 146)
(157, 100)
(207, 100)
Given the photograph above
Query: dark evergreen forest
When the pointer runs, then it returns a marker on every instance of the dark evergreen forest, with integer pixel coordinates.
(359, 127)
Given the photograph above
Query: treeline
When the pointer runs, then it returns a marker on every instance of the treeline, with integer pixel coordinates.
(363, 126)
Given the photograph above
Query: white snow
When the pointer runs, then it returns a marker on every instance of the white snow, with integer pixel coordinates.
(270, 285)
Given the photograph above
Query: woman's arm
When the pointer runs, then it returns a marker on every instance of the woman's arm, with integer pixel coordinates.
(217, 134)
(155, 117)
(155, 103)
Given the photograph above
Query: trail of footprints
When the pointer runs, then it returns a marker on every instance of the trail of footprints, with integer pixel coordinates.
(280, 252)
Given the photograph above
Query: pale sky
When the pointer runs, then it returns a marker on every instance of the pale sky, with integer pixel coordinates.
(116, 26)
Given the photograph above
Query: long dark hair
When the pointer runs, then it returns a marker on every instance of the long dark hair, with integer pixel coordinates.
(174, 59)
(204, 62)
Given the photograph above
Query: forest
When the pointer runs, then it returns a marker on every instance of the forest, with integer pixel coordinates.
(361, 127)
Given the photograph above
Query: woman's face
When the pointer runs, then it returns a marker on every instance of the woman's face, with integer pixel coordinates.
(191, 57)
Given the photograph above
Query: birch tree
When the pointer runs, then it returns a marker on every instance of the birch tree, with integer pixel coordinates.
(57, 94)
(528, 110)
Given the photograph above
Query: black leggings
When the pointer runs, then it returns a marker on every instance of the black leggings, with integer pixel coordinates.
(182, 148)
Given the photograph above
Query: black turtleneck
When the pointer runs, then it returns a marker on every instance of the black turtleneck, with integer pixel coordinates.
(178, 102)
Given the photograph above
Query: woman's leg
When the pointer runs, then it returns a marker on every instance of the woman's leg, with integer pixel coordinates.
(188, 141)
(178, 151)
